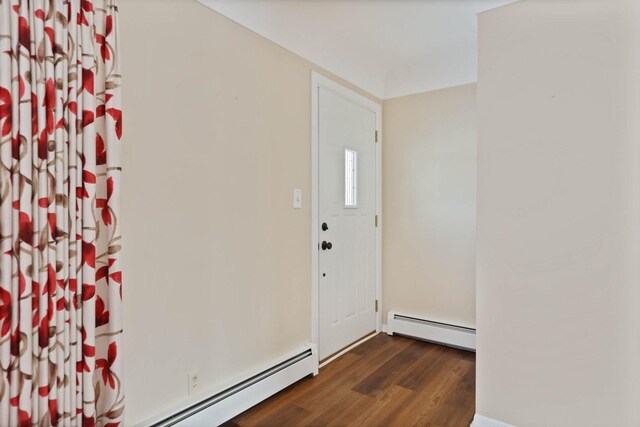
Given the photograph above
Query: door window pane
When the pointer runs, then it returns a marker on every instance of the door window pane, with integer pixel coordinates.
(350, 178)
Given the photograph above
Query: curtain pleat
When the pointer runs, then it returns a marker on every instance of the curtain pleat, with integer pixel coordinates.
(60, 274)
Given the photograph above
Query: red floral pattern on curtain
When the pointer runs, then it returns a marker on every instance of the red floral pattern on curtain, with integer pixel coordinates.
(60, 275)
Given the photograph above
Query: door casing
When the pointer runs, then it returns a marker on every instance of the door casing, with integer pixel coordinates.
(318, 81)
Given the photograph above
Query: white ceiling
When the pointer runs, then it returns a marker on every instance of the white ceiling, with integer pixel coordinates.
(389, 48)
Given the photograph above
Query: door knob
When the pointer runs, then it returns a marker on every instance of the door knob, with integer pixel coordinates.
(326, 245)
(325, 227)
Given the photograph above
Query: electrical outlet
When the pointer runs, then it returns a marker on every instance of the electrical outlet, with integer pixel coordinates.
(297, 198)
(193, 381)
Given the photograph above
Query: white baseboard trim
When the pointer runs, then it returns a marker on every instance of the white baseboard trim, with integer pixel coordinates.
(428, 330)
(221, 405)
(481, 421)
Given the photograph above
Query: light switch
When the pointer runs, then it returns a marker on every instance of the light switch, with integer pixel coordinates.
(297, 198)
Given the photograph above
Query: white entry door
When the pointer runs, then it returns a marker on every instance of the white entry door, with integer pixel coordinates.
(346, 221)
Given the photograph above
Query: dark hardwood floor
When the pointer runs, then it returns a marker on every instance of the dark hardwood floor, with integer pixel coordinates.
(387, 381)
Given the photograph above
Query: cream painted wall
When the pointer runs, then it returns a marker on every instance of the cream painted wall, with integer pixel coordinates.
(429, 205)
(217, 125)
(557, 230)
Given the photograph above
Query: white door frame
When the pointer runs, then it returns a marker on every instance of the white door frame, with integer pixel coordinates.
(318, 81)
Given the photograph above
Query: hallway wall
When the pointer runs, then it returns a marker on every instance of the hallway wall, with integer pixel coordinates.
(429, 205)
(558, 214)
(217, 136)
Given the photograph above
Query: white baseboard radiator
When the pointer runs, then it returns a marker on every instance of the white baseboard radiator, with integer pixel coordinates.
(437, 332)
(226, 404)
(480, 421)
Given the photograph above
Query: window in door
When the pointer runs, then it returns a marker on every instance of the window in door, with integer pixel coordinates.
(350, 178)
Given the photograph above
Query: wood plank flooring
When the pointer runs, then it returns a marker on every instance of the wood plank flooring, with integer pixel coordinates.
(387, 381)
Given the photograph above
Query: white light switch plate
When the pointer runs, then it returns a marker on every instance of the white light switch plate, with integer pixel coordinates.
(297, 198)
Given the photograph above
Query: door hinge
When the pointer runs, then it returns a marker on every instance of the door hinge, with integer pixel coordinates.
(376, 306)
(376, 220)
(376, 136)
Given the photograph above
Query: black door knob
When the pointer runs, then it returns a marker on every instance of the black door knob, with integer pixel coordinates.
(326, 245)
(325, 227)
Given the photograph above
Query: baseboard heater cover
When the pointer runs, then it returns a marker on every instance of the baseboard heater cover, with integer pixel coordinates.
(480, 421)
(428, 330)
(226, 404)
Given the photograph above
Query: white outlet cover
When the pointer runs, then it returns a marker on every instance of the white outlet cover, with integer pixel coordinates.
(297, 198)
(193, 377)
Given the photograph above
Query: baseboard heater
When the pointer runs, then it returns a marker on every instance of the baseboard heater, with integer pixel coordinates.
(428, 330)
(226, 404)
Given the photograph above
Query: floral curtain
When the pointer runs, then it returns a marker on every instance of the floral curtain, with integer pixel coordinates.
(60, 274)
